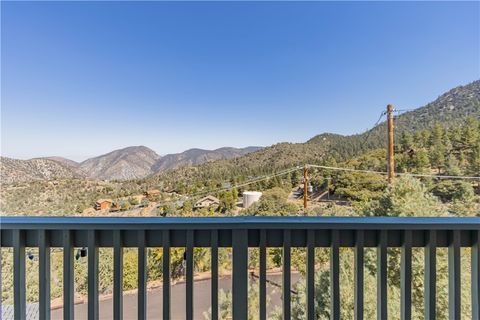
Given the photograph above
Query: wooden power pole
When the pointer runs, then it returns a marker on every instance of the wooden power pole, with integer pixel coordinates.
(391, 164)
(305, 186)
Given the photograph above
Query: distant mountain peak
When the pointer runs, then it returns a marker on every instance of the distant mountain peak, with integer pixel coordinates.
(196, 156)
(128, 163)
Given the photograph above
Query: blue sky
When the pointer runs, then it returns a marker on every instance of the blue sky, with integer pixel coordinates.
(80, 79)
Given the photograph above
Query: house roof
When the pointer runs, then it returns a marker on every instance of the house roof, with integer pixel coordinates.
(211, 198)
(104, 200)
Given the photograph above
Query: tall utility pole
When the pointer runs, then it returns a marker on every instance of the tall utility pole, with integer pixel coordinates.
(391, 164)
(305, 186)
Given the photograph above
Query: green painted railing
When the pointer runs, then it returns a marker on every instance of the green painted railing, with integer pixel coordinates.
(240, 233)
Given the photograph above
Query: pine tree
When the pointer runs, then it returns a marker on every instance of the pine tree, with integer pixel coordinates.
(406, 141)
(437, 147)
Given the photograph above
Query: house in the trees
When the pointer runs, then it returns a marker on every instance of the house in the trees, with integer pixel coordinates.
(103, 204)
(152, 193)
(206, 202)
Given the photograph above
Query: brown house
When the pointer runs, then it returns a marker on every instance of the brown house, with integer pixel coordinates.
(103, 204)
(152, 193)
(206, 202)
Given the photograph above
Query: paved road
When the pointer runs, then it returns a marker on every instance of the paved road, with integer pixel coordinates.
(201, 300)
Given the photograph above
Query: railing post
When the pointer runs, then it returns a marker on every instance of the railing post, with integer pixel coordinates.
(166, 273)
(263, 274)
(454, 288)
(68, 275)
(189, 276)
(286, 275)
(92, 275)
(476, 275)
(382, 275)
(142, 276)
(406, 276)
(19, 301)
(310, 274)
(358, 278)
(44, 274)
(430, 280)
(117, 275)
(240, 274)
(214, 263)
(335, 276)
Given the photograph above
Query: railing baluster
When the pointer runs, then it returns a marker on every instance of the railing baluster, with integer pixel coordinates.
(93, 311)
(19, 288)
(310, 274)
(382, 276)
(142, 275)
(68, 275)
(240, 274)
(430, 280)
(117, 275)
(476, 275)
(359, 269)
(166, 273)
(263, 274)
(214, 262)
(44, 274)
(406, 276)
(189, 276)
(286, 275)
(335, 276)
(454, 293)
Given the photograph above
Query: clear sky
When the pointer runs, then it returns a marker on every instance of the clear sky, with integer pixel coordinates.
(80, 79)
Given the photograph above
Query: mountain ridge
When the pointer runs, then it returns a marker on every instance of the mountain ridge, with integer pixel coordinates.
(197, 156)
(449, 109)
(129, 163)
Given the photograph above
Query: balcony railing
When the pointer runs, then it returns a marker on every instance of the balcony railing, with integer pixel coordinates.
(240, 233)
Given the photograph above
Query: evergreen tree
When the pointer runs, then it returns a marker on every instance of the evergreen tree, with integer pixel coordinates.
(406, 141)
(227, 201)
(437, 147)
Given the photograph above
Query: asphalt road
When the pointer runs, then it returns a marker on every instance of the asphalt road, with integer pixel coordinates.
(201, 300)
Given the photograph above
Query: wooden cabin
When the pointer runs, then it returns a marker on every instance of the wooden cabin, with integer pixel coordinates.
(103, 204)
(206, 202)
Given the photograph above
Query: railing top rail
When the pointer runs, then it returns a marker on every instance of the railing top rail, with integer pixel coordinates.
(244, 222)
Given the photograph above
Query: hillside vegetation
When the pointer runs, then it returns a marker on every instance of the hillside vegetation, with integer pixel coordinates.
(450, 110)
(13, 170)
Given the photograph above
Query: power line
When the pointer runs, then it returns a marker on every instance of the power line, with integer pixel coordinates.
(403, 110)
(371, 130)
(397, 173)
(292, 169)
(246, 183)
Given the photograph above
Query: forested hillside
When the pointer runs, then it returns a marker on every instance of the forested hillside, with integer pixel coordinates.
(450, 110)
